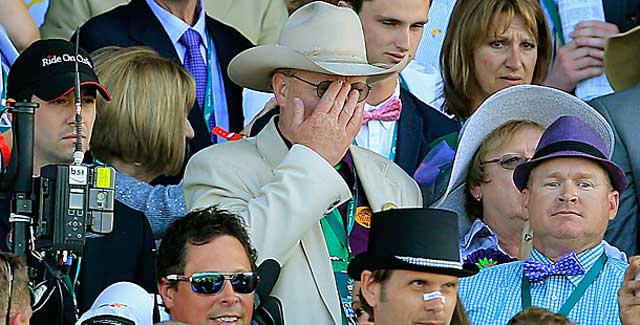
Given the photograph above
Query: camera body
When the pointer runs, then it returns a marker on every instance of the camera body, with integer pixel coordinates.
(71, 203)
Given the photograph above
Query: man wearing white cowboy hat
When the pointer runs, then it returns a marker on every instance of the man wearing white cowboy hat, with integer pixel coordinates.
(396, 123)
(305, 193)
(621, 111)
(412, 279)
(570, 190)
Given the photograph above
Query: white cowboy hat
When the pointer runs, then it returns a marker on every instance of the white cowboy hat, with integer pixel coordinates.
(318, 37)
(542, 105)
(621, 59)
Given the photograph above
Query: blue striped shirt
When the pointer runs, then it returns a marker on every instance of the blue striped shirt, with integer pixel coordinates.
(493, 296)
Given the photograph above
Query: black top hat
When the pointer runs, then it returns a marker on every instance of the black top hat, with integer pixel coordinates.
(424, 240)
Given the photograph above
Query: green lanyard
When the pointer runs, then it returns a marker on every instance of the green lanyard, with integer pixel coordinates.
(577, 292)
(337, 235)
(208, 97)
(552, 10)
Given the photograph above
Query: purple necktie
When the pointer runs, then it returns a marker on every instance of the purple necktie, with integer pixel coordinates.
(567, 265)
(194, 62)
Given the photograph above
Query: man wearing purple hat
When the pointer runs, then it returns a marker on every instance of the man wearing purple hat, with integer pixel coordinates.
(571, 190)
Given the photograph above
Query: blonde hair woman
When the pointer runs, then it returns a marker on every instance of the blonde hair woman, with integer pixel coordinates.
(141, 131)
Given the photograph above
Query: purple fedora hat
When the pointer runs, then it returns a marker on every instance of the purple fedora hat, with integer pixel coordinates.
(569, 136)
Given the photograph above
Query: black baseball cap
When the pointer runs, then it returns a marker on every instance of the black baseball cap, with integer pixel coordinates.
(47, 69)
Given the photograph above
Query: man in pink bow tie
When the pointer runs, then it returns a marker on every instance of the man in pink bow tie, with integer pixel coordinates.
(396, 124)
(305, 192)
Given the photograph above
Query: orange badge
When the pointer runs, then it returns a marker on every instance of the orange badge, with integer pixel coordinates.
(363, 216)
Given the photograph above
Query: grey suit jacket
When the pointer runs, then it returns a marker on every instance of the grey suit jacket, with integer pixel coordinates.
(622, 111)
(282, 194)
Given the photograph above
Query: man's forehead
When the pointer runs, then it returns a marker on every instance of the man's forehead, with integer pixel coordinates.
(221, 254)
(406, 11)
(426, 276)
(573, 166)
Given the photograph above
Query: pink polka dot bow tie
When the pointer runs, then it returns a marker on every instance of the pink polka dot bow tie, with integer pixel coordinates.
(390, 111)
(568, 265)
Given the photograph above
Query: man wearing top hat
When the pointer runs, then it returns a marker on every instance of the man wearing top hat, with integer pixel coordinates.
(305, 193)
(412, 278)
(621, 111)
(571, 190)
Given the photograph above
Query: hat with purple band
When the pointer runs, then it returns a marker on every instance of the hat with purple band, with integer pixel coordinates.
(570, 137)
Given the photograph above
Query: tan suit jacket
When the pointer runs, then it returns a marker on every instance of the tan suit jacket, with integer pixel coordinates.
(258, 20)
(282, 194)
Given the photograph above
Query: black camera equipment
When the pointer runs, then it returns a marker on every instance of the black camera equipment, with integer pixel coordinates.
(52, 214)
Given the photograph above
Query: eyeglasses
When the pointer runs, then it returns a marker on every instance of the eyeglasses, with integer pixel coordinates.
(508, 161)
(211, 283)
(321, 88)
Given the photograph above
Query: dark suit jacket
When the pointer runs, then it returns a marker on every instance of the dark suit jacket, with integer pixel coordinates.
(418, 126)
(624, 13)
(135, 24)
(621, 111)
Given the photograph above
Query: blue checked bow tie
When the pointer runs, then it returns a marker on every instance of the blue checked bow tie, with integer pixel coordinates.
(568, 265)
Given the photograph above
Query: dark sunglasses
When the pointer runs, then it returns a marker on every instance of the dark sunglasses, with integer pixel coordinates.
(211, 283)
(508, 161)
(321, 88)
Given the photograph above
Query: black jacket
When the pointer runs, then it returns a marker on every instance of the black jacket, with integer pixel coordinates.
(134, 24)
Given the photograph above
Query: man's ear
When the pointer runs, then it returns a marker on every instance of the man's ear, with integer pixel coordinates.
(344, 4)
(614, 203)
(280, 87)
(370, 289)
(524, 200)
(167, 291)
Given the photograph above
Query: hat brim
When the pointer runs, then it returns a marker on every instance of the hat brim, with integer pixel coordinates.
(616, 175)
(620, 59)
(366, 261)
(542, 105)
(254, 67)
(60, 85)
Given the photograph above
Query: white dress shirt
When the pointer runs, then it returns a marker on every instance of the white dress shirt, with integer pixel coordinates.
(377, 135)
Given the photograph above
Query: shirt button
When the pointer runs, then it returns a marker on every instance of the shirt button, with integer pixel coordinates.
(554, 297)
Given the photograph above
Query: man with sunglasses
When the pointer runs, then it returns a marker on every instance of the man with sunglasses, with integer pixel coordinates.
(305, 192)
(206, 269)
(15, 300)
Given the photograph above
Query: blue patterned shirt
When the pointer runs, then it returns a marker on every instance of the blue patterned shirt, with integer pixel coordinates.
(161, 204)
(493, 296)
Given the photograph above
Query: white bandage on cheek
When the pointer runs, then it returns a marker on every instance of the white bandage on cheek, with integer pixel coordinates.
(433, 295)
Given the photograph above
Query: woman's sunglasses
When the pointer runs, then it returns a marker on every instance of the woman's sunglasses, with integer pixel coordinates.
(508, 161)
(211, 283)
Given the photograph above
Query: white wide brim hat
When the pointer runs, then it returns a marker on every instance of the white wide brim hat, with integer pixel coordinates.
(539, 104)
(318, 37)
